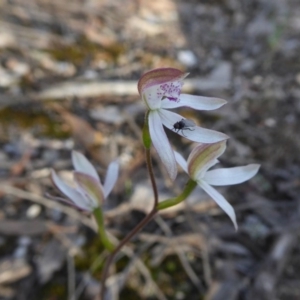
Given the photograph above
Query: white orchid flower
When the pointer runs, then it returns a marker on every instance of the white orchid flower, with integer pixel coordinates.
(89, 192)
(160, 90)
(203, 157)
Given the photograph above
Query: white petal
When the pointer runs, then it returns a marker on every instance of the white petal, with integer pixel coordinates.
(231, 176)
(220, 200)
(111, 177)
(181, 161)
(82, 164)
(195, 102)
(203, 135)
(91, 188)
(152, 96)
(69, 192)
(161, 144)
(196, 133)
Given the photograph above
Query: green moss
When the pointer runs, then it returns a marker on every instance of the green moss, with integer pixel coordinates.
(85, 49)
(39, 122)
(169, 275)
(91, 260)
(54, 290)
(172, 278)
(128, 187)
(128, 294)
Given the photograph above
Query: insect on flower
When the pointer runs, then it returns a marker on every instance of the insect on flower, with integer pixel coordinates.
(184, 124)
(160, 89)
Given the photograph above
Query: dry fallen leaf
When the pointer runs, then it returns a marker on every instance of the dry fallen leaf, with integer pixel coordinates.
(91, 140)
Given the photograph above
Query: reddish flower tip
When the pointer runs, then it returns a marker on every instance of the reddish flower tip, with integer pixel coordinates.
(159, 76)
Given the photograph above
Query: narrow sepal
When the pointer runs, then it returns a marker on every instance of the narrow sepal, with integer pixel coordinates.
(194, 102)
(181, 161)
(111, 178)
(71, 193)
(82, 164)
(230, 176)
(195, 133)
(220, 200)
(161, 144)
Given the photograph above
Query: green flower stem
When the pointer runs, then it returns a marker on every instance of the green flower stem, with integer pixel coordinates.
(146, 133)
(190, 186)
(103, 236)
(152, 178)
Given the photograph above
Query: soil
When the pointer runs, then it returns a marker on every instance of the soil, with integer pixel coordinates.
(68, 76)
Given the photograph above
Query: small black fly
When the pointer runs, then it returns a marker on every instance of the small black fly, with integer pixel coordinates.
(184, 124)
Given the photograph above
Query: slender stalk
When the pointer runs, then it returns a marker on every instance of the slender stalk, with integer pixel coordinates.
(98, 214)
(152, 178)
(110, 259)
(189, 187)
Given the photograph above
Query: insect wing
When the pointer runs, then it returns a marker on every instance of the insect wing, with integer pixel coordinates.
(188, 123)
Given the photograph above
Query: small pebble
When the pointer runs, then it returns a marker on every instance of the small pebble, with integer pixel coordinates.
(270, 122)
(188, 58)
(33, 211)
(298, 78)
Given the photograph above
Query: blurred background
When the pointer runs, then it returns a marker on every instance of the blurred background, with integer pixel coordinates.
(68, 75)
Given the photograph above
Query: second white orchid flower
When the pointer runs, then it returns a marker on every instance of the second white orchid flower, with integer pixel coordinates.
(161, 90)
(89, 193)
(203, 157)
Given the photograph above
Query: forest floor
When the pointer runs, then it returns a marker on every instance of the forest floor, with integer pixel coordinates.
(68, 80)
